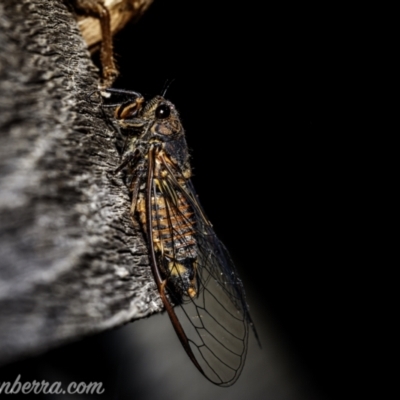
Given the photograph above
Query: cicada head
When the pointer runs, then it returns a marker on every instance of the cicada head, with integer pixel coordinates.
(163, 118)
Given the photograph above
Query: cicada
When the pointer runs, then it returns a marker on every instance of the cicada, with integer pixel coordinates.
(195, 275)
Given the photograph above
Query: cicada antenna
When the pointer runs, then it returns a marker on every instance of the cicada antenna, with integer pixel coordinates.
(167, 84)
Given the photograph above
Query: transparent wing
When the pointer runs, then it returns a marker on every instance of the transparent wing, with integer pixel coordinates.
(215, 321)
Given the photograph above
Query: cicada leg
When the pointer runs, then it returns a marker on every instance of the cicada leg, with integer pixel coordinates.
(97, 9)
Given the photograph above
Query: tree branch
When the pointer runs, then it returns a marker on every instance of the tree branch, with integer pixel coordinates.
(71, 263)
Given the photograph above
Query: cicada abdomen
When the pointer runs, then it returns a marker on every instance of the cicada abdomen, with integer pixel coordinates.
(173, 231)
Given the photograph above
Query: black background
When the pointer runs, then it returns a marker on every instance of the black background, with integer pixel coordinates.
(261, 98)
(264, 93)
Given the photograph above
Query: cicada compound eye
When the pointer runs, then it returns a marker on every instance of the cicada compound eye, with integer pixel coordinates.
(163, 111)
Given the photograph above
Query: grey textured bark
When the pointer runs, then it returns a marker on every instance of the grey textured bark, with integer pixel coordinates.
(71, 263)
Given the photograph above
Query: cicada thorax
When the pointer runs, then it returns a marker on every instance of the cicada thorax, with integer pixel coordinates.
(173, 230)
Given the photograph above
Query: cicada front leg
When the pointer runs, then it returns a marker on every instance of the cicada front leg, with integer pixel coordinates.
(97, 9)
